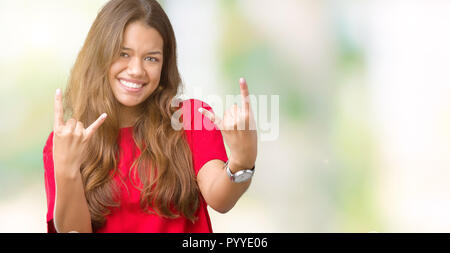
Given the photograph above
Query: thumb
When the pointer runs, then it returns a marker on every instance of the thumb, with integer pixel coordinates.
(88, 132)
(211, 116)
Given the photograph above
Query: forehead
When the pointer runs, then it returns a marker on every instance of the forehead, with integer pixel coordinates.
(138, 36)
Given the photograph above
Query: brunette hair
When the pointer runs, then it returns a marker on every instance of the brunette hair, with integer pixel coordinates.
(164, 167)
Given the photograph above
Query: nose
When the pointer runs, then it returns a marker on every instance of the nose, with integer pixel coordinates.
(135, 67)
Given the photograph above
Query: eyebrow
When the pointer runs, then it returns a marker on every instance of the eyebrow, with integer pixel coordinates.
(151, 52)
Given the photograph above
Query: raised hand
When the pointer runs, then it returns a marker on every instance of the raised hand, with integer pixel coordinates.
(70, 140)
(239, 130)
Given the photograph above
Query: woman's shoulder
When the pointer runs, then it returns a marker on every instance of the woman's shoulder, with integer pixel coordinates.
(48, 155)
(49, 143)
(195, 104)
(192, 118)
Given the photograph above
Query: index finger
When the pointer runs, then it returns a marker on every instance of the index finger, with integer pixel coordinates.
(59, 113)
(245, 95)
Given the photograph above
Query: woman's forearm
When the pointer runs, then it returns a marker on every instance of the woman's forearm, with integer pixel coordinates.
(223, 194)
(71, 208)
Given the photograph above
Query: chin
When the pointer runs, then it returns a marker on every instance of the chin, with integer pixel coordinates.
(129, 104)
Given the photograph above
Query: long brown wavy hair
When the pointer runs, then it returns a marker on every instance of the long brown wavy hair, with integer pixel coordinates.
(164, 167)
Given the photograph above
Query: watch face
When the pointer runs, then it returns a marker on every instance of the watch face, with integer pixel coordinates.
(242, 177)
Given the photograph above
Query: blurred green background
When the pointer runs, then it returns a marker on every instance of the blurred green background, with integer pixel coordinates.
(364, 106)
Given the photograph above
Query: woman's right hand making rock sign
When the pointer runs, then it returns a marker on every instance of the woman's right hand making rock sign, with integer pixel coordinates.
(70, 140)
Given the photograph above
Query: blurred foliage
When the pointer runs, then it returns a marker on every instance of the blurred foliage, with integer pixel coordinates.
(353, 141)
(244, 52)
(24, 137)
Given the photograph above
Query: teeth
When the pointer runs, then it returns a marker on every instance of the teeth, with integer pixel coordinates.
(130, 85)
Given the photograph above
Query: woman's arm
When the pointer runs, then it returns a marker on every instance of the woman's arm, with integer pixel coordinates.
(238, 128)
(71, 208)
(70, 139)
(217, 188)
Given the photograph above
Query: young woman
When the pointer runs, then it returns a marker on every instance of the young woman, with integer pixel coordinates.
(118, 164)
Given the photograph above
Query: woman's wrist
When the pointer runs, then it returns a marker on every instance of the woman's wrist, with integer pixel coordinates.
(236, 166)
(67, 172)
(243, 158)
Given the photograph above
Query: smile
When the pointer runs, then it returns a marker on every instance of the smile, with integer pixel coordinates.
(130, 84)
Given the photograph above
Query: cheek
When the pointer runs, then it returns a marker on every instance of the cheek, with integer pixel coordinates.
(154, 74)
(115, 69)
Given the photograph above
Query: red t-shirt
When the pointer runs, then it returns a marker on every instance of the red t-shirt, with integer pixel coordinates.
(206, 144)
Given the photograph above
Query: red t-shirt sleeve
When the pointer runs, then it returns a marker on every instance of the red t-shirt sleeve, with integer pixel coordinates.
(49, 182)
(205, 139)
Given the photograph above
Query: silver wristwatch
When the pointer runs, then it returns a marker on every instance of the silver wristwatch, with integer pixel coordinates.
(240, 176)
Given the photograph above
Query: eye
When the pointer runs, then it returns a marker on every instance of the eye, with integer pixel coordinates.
(152, 59)
(123, 54)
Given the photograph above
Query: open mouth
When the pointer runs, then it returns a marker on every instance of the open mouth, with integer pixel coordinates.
(131, 86)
